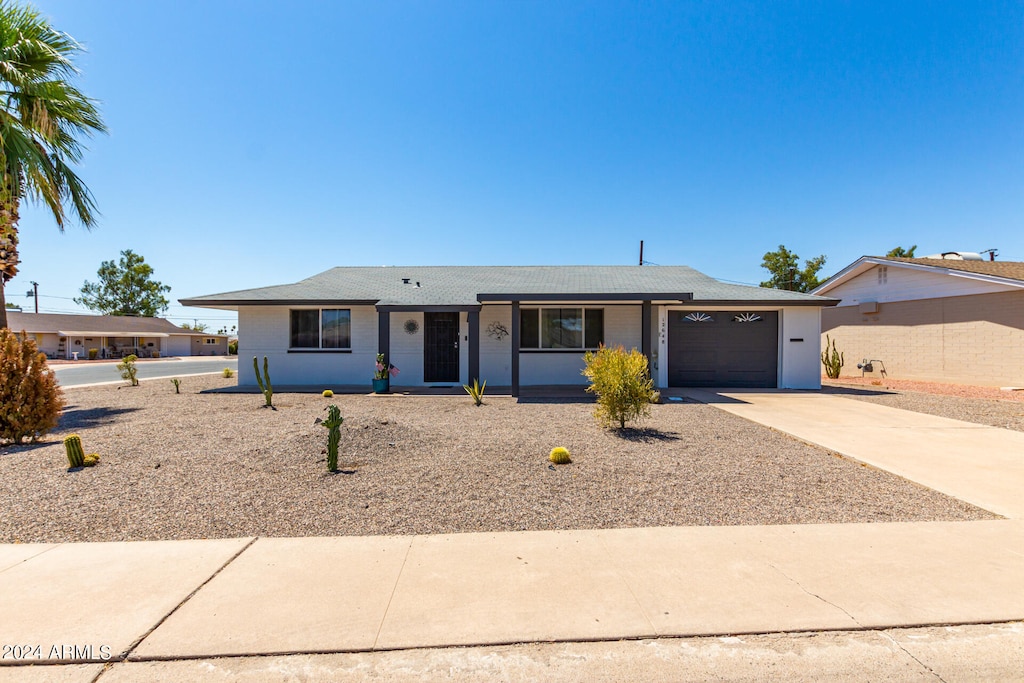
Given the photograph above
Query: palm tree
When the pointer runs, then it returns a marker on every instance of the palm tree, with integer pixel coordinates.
(42, 119)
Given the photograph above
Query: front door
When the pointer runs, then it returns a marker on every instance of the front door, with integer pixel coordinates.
(440, 347)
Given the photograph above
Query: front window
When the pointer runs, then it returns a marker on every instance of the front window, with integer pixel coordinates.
(561, 328)
(324, 328)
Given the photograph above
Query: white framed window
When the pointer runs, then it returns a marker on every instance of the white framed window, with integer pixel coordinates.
(208, 340)
(320, 328)
(561, 328)
(883, 274)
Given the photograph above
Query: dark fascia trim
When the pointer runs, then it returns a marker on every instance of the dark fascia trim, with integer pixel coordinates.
(822, 303)
(399, 308)
(589, 296)
(321, 303)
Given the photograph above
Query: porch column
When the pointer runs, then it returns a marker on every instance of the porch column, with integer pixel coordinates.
(384, 335)
(474, 345)
(645, 333)
(515, 348)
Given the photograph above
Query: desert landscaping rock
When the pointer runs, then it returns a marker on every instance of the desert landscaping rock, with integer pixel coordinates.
(206, 465)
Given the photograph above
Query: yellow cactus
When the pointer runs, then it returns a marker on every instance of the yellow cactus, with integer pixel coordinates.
(560, 456)
(328, 393)
(91, 459)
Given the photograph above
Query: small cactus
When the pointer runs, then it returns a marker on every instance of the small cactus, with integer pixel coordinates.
(560, 456)
(73, 446)
(328, 393)
(265, 387)
(333, 424)
(177, 385)
(91, 459)
(832, 359)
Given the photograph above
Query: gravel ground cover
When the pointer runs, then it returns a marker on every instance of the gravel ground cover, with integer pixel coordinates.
(980, 405)
(207, 465)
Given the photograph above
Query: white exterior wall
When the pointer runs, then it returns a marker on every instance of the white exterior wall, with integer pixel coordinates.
(622, 326)
(264, 331)
(178, 345)
(496, 354)
(906, 284)
(407, 349)
(800, 362)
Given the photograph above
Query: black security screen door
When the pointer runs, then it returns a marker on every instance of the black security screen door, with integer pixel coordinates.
(440, 347)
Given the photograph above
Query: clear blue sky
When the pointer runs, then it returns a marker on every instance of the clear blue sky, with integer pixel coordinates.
(256, 143)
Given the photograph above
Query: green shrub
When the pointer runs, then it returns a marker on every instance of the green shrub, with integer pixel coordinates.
(228, 373)
(30, 398)
(177, 385)
(233, 348)
(560, 456)
(94, 354)
(128, 370)
(476, 391)
(622, 383)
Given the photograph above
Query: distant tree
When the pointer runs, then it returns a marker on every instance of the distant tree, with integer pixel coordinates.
(43, 118)
(195, 327)
(125, 288)
(784, 267)
(900, 252)
(224, 330)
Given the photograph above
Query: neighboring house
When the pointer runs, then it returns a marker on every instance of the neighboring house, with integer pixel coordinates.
(114, 336)
(519, 326)
(940, 318)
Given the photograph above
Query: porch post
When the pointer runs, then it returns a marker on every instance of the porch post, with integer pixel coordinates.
(384, 335)
(515, 348)
(645, 333)
(474, 345)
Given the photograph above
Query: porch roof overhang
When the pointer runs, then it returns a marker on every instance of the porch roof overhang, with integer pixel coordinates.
(654, 297)
(87, 333)
(427, 308)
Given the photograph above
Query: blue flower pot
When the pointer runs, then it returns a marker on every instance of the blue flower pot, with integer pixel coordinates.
(381, 386)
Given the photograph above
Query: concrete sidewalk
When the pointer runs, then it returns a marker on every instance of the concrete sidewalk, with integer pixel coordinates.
(160, 605)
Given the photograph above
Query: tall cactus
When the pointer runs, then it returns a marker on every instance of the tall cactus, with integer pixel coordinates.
(832, 359)
(333, 424)
(265, 387)
(73, 446)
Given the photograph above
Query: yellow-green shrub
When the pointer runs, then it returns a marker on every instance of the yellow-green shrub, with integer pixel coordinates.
(622, 383)
(30, 399)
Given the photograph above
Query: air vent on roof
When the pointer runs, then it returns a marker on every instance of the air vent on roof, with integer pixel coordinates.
(405, 280)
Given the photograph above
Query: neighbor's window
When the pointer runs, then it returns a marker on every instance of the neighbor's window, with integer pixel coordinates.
(324, 328)
(207, 340)
(561, 328)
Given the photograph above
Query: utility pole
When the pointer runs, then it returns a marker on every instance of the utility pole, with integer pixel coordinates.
(641, 252)
(35, 293)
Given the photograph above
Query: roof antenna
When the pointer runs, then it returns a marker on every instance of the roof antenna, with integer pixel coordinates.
(992, 253)
(641, 252)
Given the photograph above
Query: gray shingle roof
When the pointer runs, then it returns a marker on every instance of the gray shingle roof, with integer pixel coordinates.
(464, 285)
(109, 324)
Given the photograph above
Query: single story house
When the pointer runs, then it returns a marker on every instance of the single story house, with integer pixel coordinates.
(517, 326)
(950, 317)
(114, 336)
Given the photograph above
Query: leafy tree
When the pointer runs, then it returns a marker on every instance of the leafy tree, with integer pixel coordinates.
(42, 120)
(900, 252)
(784, 267)
(197, 327)
(125, 288)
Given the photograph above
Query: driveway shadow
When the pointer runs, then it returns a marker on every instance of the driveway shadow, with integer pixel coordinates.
(851, 391)
(83, 418)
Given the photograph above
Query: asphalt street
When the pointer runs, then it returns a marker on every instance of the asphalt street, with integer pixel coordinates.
(76, 375)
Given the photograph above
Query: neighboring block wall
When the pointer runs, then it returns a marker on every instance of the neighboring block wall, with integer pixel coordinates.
(976, 339)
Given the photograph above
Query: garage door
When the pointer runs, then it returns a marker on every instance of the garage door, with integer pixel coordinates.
(723, 348)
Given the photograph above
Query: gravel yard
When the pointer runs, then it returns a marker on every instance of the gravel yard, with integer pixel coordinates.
(981, 405)
(219, 465)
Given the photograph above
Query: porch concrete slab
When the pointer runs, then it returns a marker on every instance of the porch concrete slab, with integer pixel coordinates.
(462, 589)
(288, 595)
(889, 575)
(978, 464)
(63, 673)
(706, 580)
(13, 554)
(103, 596)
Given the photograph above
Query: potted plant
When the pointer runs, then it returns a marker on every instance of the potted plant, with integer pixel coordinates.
(381, 378)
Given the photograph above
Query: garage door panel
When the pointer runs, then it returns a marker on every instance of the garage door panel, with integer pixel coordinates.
(723, 348)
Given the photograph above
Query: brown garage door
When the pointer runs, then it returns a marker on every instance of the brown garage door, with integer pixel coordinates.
(723, 348)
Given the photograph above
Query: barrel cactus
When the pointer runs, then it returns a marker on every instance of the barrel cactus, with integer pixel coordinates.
(560, 456)
(73, 446)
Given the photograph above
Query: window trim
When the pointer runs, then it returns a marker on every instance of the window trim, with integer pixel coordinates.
(319, 348)
(540, 321)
